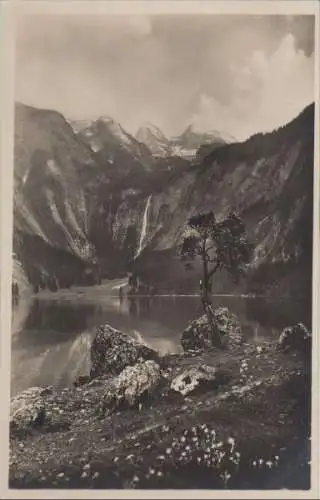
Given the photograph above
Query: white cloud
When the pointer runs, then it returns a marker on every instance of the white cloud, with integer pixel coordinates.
(268, 91)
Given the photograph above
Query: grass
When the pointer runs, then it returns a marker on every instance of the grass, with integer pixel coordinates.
(252, 432)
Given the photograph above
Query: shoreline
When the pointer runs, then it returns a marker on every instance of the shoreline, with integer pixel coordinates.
(253, 407)
(80, 292)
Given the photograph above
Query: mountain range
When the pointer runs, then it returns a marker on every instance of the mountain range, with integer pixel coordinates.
(86, 191)
(190, 144)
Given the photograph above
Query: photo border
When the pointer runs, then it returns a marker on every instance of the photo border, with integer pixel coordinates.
(10, 12)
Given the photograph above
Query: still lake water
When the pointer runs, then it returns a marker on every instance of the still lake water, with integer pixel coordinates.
(51, 335)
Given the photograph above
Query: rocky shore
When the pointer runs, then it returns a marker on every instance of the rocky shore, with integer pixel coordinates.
(236, 417)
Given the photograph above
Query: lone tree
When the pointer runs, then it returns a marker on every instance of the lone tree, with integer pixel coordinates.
(220, 245)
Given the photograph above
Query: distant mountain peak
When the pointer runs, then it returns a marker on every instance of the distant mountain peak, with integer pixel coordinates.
(153, 137)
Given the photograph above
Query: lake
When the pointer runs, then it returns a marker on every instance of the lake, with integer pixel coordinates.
(52, 333)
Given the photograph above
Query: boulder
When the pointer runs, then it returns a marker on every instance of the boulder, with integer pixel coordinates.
(112, 351)
(199, 336)
(134, 385)
(81, 380)
(295, 337)
(197, 379)
(27, 409)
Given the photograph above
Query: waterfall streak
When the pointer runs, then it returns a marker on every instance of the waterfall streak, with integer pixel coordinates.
(144, 226)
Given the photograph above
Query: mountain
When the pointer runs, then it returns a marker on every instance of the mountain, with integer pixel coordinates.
(111, 143)
(92, 196)
(155, 140)
(192, 143)
(268, 180)
(67, 190)
(49, 203)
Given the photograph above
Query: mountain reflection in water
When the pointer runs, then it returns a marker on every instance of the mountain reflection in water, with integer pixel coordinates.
(51, 344)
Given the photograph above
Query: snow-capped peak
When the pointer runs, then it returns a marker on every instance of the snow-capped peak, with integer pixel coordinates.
(153, 137)
(149, 130)
(116, 130)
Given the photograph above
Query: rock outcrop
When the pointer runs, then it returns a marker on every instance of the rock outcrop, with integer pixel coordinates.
(112, 351)
(27, 409)
(198, 379)
(133, 386)
(296, 337)
(199, 336)
(249, 435)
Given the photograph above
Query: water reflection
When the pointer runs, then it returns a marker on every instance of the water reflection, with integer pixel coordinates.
(51, 344)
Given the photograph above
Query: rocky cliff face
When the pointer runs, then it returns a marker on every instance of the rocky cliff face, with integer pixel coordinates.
(112, 145)
(155, 139)
(50, 208)
(70, 183)
(268, 180)
(197, 145)
(92, 191)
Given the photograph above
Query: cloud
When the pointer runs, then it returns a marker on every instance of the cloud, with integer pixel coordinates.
(267, 91)
(239, 74)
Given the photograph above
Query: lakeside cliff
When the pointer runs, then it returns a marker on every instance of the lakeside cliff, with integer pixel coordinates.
(87, 206)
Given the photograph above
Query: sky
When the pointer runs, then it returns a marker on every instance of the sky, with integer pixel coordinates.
(237, 74)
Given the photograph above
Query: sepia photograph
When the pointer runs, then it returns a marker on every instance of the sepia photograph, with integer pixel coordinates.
(162, 250)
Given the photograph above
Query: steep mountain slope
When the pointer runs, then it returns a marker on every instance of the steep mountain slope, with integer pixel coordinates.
(192, 143)
(66, 191)
(268, 180)
(111, 144)
(155, 140)
(49, 201)
(91, 193)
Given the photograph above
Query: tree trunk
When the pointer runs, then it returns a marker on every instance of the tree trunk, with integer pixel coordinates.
(207, 303)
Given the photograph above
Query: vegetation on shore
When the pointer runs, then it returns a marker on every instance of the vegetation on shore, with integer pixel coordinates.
(248, 430)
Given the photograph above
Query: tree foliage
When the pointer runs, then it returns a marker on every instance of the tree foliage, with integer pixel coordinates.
(220, 245)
